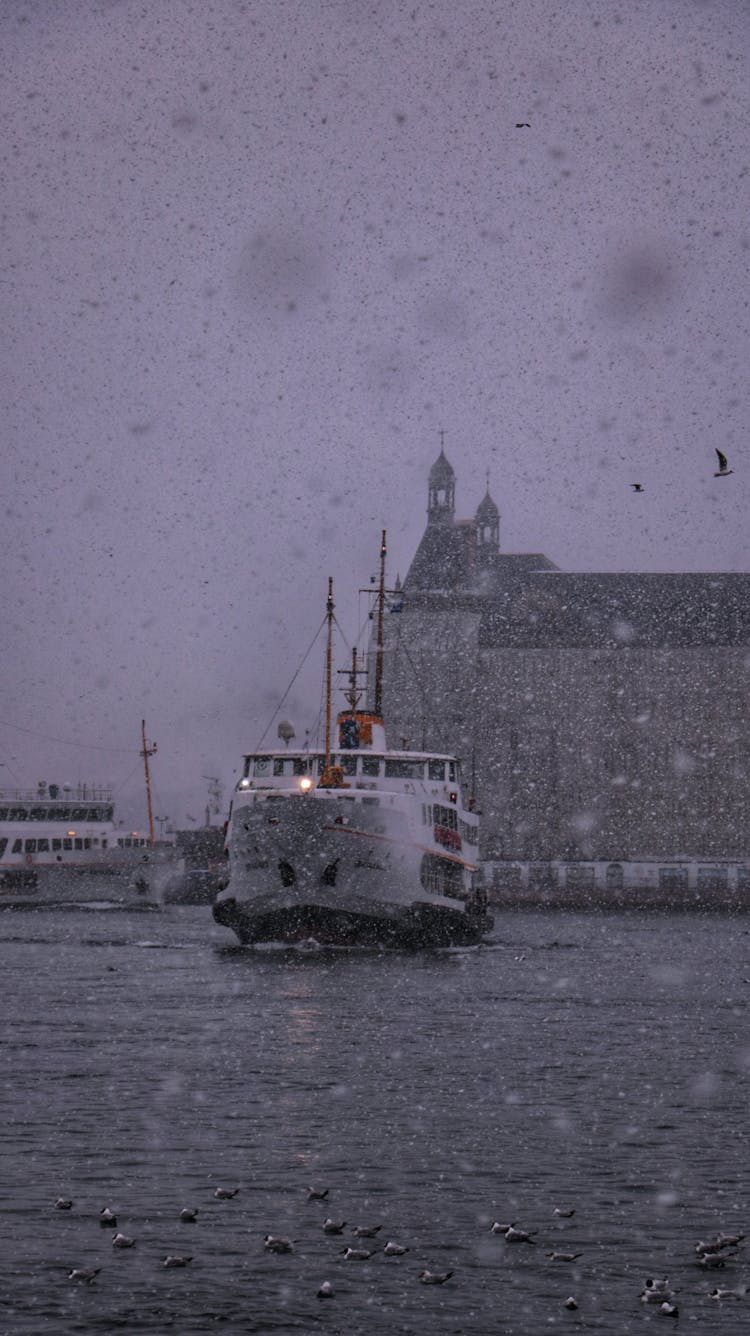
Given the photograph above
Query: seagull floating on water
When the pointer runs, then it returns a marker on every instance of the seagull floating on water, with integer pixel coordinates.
(123, 1241)
(367, 1231)
(326, 1290)
(333, 1226)
(724, 469)
(226, 1194)
(564, 1213)
(108, 1218)
(317, 1194)
(173, 1261)
(434, 1277)
(272, 1243)
(497, 1228)
(563, 1256)
(721, 1292)
(63, 1204)
(83, 1273)
(189, 1215)
(394, 1249)
(356, 1254)
(668, 1309)
(570, 1302)
(513, 1235)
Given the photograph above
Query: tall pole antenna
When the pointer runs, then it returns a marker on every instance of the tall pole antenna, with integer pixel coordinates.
(148, 749)
(379, 641)
(329, 618)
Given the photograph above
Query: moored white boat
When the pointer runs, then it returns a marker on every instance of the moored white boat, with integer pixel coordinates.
(355, 844)
(61, 847)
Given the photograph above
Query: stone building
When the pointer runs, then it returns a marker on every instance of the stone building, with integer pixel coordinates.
(605, 717)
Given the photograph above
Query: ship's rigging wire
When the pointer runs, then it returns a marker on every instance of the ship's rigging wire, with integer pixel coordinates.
(297, 672)
(65, 742)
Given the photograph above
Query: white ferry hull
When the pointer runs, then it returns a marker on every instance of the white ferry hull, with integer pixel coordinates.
(124, 883)
(340, 873)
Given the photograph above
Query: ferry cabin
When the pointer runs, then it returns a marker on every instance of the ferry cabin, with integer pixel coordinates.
(438, 821)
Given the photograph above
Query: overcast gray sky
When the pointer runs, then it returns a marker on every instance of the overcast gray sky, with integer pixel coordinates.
(256, 254)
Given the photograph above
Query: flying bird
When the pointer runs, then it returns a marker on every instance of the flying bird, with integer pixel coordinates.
(523, 125)
(724, 469)
(637, 486)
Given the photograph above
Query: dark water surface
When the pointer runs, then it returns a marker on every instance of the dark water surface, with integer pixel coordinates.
(593, 1062)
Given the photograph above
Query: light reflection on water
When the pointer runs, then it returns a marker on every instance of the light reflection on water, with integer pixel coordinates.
(587, 1061)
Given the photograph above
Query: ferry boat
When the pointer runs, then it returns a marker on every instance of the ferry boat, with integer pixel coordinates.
(60, 845)
(354, 845)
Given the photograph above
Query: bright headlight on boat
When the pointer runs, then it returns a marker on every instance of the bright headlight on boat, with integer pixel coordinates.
(305, 783)
(244, 784)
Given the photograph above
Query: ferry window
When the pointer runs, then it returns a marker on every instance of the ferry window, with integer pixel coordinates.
(87, 844)
(108, 813)
(67, 844)
(17, 846)
(262, 766)
(95, 844)
(17, 814)
(93, 814)
(56, 846)
(3, 845)
(79, 844)
(452, 772)
(301, 765)
(104, 844)
(370, 765)
(3, 814)
(30, 846)
(78, 814)
(38, 814)
(403, 769)
(348, 764)
(436, 770)
(371, 802)
(43, 846)
(278, 765)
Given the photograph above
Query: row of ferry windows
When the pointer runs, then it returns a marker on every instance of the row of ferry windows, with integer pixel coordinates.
(353, 764)
(67, 814)
(434, 814)
(46, 846)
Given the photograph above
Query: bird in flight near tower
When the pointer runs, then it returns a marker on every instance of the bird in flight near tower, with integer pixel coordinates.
(724, 469)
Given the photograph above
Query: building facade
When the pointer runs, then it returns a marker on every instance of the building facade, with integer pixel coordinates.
(605, 717)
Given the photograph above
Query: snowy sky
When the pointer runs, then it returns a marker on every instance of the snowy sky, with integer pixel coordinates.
(257, 253)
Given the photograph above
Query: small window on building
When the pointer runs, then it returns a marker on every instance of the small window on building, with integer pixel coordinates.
(67, 845)
(79, 843)
(87, 844)
(17, 847)
(30, 846)
(42, 846)
(56, 846)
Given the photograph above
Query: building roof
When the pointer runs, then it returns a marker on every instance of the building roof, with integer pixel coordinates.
(597, 610)
(441, 473)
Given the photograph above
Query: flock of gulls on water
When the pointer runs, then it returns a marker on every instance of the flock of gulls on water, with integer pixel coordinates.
(710, 1255)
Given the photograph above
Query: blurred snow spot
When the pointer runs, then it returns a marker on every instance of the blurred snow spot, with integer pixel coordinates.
(623, 631)
(706, 1088)
(583, 822)
(667, 1198)
(682, 762)
(639, 281)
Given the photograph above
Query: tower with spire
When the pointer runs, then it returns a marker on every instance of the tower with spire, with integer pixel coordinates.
(441, 500)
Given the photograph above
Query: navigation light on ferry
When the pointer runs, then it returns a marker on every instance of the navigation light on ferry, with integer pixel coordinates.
(244, 784)
(305, 783)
